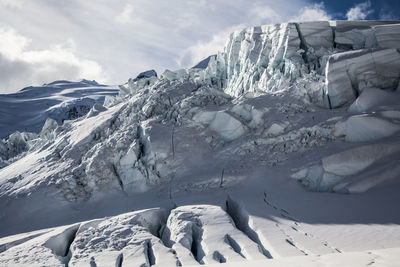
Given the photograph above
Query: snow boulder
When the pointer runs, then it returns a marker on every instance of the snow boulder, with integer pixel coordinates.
(362, 128)
(372, 98)
(95, 110)
(357, 159)
(251, 116)
(48, 129)
(342, 167)
(227, 127)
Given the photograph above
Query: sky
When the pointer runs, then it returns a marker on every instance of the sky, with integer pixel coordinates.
(110, 41)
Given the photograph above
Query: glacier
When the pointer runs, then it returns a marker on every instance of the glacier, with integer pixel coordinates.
(215, 163)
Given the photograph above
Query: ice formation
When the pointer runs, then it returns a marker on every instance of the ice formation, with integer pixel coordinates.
(317, 101)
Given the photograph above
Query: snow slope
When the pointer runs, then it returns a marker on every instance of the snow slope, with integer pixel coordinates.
(28, 109)
(259, 158)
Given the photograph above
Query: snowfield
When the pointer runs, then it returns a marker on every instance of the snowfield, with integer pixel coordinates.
(282, 150)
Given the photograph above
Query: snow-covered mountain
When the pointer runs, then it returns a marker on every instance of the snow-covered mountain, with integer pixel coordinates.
(28, 109)
(284, 145)
(23, 114)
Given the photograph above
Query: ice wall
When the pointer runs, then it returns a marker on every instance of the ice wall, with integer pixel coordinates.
(335, 60)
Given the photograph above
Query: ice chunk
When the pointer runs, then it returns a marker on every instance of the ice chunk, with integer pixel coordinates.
(388, 36)
(338, 171)
(227, 127)
(95, 110)
(251, 116)
(349, 73)
(367, 128)
(206, 234)
(357, 159)
(175, 75)
(361, 34)
(365, 181)
(145, 74)
(48, 129)
(204, 63)
(317, 33)
(373, 97)
(276, 129)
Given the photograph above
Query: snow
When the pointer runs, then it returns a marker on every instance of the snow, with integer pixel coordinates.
(145, 74)
(204, 63)
(276, 129)
(349, 73)
(388, 35)
(215, 165)
(355, 160)
(366, 128)
(227, 127)
(372, 98)
(28, 109)
(341, 169)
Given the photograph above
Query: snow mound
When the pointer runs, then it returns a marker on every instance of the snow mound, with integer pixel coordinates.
(365, 128)
(372, 98)
(333, 172)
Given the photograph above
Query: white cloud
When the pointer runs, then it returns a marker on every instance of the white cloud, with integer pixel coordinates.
(257, 14)
(21, 67)
(195, 53)
(126, 37)
(126, 16)
(262, 14)
(11, 3)
(315, 12)
(359, 11)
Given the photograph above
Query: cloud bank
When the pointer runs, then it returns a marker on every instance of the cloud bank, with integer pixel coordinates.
(21, 66)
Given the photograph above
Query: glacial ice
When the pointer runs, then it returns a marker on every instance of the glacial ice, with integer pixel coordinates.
(227, 127)
(111, 147)
(237, 124)
(349, 73)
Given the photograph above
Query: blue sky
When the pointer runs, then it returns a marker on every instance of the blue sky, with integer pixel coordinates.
(111, 41)
(381, 9)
